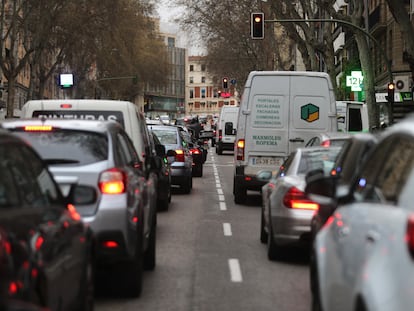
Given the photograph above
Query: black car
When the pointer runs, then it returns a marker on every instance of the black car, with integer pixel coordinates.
(197, 149)
(163, 173)
(346, 167)
(46, 250)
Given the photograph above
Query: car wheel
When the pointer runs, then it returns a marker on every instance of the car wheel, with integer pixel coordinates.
(263, 234)
(87, 286)
(240, 194)
(198, 170)
(273, 250)
(150, 253)
(188, 185)
(219, 150)
(163, 204)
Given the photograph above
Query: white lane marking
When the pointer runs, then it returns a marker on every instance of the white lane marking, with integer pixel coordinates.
(221, 197)
(220, 191)
(227, 229)
(235, 272)
(218, 185)
(223, 206)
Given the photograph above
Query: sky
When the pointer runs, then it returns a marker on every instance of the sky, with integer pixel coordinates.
(167, 14)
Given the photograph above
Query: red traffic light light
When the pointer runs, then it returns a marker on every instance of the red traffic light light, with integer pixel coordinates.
(257, 25)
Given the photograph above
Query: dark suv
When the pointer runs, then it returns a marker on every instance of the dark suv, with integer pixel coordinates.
(46, 253)
(113, 194)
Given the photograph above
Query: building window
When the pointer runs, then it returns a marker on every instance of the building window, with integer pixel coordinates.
(203, 67)
(203, 93)
(191, 67)
(191, 79)
(203, 79)
(191, 93)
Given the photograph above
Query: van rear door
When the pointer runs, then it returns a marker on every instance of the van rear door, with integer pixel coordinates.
(267, 118)
(313, 109)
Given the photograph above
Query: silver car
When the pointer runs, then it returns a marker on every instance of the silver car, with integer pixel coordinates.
(287, 212)
(363, 257)
(111, 189)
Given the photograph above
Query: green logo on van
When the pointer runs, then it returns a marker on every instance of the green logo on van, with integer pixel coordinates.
(309, 112)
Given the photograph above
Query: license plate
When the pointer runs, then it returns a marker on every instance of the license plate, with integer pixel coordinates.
(266, 161)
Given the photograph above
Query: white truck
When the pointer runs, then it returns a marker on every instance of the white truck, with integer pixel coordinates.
(279, 112)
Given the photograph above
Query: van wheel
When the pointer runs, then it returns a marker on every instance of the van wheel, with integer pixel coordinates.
(219, 149)
(240, 195)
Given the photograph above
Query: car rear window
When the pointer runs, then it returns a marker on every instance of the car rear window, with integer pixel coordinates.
(318, 159)
(68, 147)
(166, 136)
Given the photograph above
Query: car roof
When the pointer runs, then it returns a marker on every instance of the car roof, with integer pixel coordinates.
(87, 125)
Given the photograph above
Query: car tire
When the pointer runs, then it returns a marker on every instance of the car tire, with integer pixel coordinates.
(188, 185)
(150, 252)
(163, 204)
(86, 296)
(273, 250)
(240, 194)
(198, 170)
(219, 149)
(263, 234)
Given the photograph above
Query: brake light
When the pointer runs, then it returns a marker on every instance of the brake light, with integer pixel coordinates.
(240, 150)
(73, 212)
(220, 135)
(409, 235)
(195, 151)
(112, 182)
(38, 128)
(326, 143)
(110, 244)
(39, 242)
(66, 106)
(297, 199)
(180, 155)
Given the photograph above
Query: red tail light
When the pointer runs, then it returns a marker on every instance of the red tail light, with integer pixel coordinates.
(220, 135)
(326, 143)
(297, 199)
(195, 151)
(409, 235)
(112, 182)
(240, 150)
(180, 157)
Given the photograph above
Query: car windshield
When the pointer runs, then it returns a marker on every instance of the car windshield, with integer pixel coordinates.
(318, 159)
(68, 146)
(166, 136)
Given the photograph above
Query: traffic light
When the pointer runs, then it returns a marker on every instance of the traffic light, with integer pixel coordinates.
(391, 91)
(257, 24)
(225, 83)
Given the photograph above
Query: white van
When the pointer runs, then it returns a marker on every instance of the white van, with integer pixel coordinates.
(125, 112)
(352, 116)
(226, 128)
(279, 112)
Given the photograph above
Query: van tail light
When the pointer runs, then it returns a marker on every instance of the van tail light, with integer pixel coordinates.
(326, 143)
(297, 199)
(112, 181)
(220, 135)
(409, 235)
(180, 157)
(240, 150)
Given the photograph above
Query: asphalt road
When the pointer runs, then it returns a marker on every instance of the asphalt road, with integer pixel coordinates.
(209, 255)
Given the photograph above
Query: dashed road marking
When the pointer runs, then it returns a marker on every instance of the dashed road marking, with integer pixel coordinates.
(227, 229)
(235, 271)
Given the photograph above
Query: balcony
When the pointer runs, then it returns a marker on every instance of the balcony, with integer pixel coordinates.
(376, 21)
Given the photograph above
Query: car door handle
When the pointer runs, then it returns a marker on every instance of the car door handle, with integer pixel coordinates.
(372, 236)
(297, 140)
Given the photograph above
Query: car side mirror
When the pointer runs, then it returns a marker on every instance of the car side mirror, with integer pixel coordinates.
(81, 195)
(264, 175)
(320, 188)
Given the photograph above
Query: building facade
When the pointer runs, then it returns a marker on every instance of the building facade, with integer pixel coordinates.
(203, 96)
